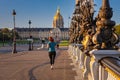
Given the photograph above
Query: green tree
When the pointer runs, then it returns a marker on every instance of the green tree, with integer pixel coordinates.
(117, 29)
(5, 33)
(0, 34)
(5, 30)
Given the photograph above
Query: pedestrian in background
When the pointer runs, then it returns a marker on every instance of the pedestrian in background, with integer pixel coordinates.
(57, 40)
(52, 51)
(43, 43)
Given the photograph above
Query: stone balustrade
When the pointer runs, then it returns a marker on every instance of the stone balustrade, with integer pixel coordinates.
(110, 67)
(96, 64)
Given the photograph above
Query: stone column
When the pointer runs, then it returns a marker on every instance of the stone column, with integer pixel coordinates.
(86, 72)
(94, 68)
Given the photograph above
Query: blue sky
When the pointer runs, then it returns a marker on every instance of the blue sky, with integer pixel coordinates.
(41, 12)
(115, 5)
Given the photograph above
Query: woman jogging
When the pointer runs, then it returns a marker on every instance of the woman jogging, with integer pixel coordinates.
(52, 51)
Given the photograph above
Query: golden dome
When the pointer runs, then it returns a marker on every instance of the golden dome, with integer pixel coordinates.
(57, 15)
(77, 1)
(58, 20)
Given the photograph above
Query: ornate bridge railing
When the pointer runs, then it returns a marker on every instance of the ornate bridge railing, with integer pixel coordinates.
(96, 64)
(110, 66)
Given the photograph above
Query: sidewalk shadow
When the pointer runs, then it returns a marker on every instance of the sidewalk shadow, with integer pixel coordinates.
(31, 75)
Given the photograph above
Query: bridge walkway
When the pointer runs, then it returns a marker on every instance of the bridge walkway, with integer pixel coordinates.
(34, 65)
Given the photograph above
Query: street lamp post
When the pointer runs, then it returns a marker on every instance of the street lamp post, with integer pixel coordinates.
(69, 22)
(3, 39)
(14, 35)
(29, 35)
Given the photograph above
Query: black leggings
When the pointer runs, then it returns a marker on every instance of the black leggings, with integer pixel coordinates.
(52, 57)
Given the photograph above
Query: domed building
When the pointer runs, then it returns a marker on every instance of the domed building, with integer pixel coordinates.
(39, 33)
(58, 20)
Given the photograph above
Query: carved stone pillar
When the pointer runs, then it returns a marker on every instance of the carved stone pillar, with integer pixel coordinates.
(82, 58)
(86, 72)
(94, 68)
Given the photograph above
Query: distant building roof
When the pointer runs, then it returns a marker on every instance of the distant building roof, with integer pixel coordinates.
(39, 29)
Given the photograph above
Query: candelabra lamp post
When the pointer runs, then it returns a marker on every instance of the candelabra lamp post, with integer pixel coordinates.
(14, 35)
(105, 37)
(30, 35)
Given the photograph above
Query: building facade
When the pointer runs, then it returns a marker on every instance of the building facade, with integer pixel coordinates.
(39, 33)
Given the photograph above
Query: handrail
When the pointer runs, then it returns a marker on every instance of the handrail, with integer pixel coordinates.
(112, 65)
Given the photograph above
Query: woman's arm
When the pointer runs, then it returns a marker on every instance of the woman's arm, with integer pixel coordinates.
(48, 46)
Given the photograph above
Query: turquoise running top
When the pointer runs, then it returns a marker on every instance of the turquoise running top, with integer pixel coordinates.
(51, 46)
